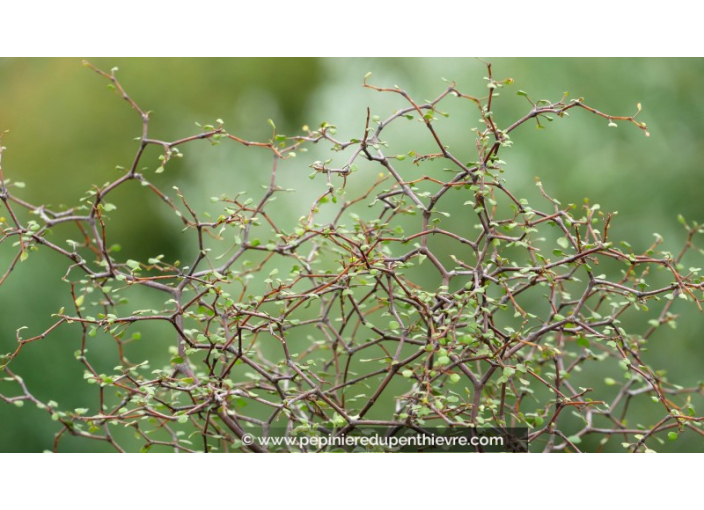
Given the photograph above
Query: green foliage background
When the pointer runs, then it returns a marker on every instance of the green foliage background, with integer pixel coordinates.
(68, 132)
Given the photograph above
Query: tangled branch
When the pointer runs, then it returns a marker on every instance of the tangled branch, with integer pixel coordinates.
(328, 325)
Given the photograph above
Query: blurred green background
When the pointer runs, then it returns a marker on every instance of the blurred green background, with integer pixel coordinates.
(67, 132)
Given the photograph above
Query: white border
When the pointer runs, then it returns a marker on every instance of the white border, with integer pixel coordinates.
(200, 481)
(359, 27)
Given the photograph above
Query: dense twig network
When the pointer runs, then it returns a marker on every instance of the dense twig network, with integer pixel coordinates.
(323, 329)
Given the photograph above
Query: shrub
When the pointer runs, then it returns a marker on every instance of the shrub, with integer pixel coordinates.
(375, 307)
